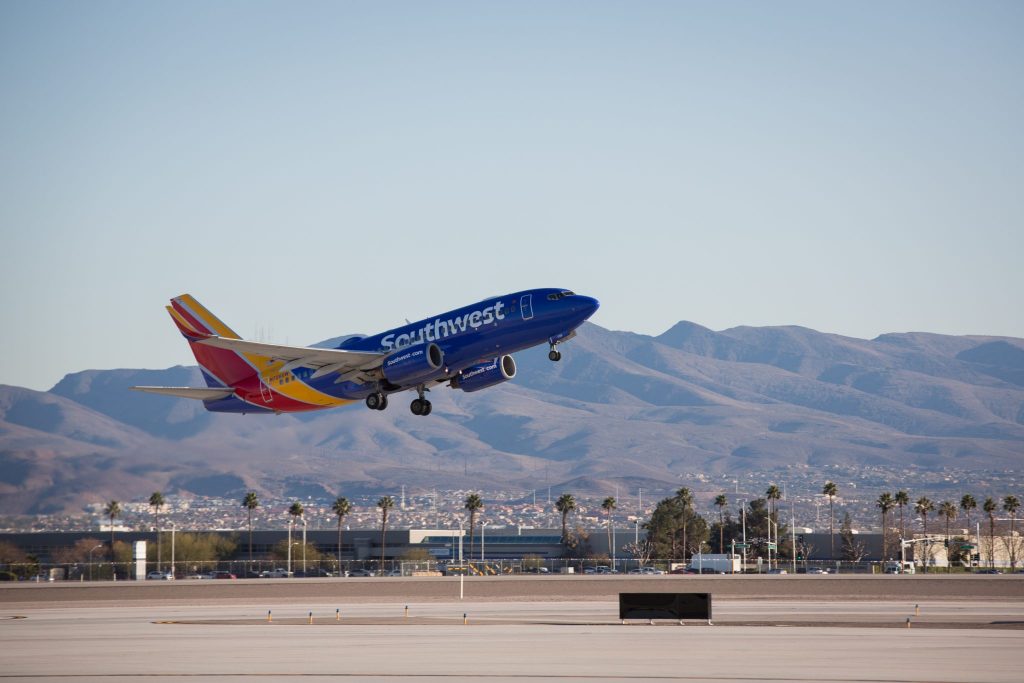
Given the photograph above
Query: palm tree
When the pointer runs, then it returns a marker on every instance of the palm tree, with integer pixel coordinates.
(1011, 504)
(250, 503)
(831, 490)
(474, 505)
(773, 495)
(341, 508)
(112, 510)
(385, 504)
(156, 501)
(685, 500)
(967, 503)
(720, 502)
(565, 504)
(990, 507)
(296, 511)
(885, 503)
(923, 506)
(608, 505)
(947, 509)
(902, 499)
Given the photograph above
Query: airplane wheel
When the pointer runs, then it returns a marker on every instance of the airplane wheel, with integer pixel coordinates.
(373, 401)
(383, 402)
(417, 406)
(427, 407)
(554, 355)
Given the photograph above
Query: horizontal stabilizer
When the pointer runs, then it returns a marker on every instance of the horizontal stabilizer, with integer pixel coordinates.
(200, 393)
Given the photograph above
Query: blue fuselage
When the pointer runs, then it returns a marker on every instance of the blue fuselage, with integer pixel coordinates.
(472, 334)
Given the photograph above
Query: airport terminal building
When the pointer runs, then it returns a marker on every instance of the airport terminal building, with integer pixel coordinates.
(362, 547)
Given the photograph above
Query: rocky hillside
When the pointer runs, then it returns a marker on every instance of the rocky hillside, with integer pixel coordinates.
(620, 406)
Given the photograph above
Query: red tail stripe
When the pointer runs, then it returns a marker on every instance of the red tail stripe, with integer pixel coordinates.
(192, 320)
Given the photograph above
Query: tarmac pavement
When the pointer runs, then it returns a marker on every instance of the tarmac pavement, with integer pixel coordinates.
(50, 632)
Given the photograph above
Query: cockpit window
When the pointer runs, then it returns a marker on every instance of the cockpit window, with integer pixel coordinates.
(559, 295)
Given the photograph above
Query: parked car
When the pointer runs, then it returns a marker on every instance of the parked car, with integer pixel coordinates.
(362, 572)
(41, 578)
(278, 573)
(647, 571)
(222, 575)
(815, 570)
(159, 576)
(777, 571)
(318, 572)
(988, 571)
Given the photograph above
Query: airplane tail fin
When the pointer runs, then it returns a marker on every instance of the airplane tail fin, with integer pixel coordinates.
(220, 367)
(195, 321)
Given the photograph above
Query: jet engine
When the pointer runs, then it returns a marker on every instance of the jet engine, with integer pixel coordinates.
(478, 377)
(414, 364)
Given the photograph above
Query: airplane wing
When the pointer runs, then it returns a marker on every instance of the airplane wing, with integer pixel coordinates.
(203, 393)
(348, 364)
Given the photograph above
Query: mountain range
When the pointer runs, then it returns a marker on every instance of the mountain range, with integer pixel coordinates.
(620, 407)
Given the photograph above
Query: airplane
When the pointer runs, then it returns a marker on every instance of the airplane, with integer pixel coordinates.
(468, 348)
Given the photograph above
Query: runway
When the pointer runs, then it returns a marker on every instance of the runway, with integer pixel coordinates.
(373, 639)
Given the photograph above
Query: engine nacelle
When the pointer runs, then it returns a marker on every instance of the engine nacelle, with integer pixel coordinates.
(485, 375)
(414, 364)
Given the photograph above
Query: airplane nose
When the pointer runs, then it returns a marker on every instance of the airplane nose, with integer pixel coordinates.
(589, 305)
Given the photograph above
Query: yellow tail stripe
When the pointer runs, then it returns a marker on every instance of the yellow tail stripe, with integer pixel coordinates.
(211, 321)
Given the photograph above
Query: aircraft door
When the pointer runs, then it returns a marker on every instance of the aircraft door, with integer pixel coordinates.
(265, 393)
(526, 306)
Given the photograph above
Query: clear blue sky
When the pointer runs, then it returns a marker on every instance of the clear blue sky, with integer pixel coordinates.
(314, 169)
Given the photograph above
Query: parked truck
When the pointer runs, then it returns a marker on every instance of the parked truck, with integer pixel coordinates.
(725, 562)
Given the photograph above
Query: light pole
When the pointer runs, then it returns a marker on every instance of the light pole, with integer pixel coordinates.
(792, 531)
(613, 548)
(289, 568)
(743, 513)
(173, 528)
(303, 545)
(90, 559)
(483, 531)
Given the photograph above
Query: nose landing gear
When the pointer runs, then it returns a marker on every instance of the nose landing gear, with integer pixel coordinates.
(554, 354)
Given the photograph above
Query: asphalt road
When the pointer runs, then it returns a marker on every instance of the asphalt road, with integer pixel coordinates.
(529, 588)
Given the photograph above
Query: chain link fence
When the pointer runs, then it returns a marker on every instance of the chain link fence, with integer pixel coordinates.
(326, 568)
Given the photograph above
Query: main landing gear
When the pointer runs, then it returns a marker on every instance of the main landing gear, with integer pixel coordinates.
(554, 354)
(420, 406)
(377, 401)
